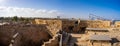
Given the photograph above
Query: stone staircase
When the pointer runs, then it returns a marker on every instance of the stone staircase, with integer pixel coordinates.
(81, 39)
(51, 40)
(53, 32)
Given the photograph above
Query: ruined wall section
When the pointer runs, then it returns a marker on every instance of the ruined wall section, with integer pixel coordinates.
(117, 24)
(52, 25)
(67, 25)
(98, 24)
(72, 26)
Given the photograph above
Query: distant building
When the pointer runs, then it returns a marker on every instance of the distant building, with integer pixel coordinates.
(58, 17)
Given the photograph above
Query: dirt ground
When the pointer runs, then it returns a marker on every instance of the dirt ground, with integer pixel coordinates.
(29, 35)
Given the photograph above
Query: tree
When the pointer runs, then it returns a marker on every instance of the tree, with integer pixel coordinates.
(15, 18)
(26, 20)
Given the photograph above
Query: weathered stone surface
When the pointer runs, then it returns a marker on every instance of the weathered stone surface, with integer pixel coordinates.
(98, 24)
(71, 26)
(29, 35)
(117, 24)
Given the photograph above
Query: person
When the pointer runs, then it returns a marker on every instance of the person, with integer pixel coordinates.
(60, 32)
(92, 43)
(95, 33)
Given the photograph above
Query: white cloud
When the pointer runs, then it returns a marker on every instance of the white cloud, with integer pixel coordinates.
(2, 0)
(27, 12)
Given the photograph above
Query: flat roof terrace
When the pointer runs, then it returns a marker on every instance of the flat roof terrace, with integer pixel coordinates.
(97, 29)
(100, 37)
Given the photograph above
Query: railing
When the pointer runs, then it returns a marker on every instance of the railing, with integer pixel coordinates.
(60, 43)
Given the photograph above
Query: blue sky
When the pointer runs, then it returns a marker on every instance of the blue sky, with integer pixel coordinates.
(109, 9)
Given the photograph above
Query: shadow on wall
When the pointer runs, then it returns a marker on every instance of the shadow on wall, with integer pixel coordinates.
(114, 40)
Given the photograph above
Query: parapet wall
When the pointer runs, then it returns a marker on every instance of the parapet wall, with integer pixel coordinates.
(98, 24)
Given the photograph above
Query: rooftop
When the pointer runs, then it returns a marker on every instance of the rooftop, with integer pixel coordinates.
(96, 28)
(100, 37)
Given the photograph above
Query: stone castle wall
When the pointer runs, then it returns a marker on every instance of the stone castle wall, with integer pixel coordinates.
(65, 25)
(52, 25)
(98, 24)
